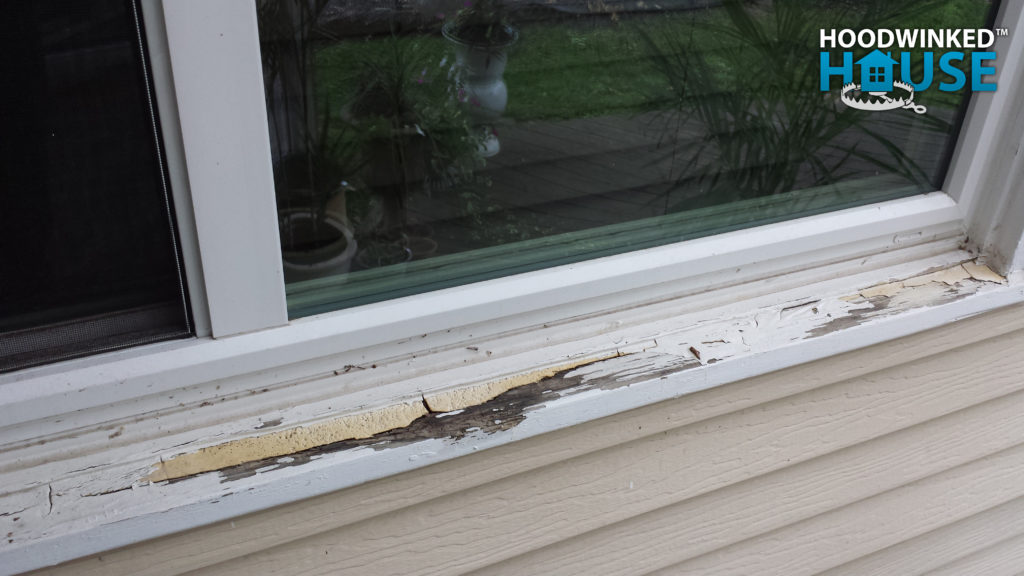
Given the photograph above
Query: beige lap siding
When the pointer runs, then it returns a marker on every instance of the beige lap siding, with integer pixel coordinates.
(901, 458)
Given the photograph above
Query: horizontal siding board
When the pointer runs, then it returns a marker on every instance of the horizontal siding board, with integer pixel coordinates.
(485, 525)
(781, 498)
(830, 539)
(1004, 558)
(946, 545)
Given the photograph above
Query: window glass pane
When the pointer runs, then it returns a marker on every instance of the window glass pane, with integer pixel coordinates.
(423, 144)
(89, 259)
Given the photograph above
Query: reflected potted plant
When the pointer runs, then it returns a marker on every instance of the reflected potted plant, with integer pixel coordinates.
(313, 153)
(414, 137)
(763, 125)
(317, 238)
(482, 36)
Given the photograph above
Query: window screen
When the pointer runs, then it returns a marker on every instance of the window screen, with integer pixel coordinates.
(421, 145)
(88, 252)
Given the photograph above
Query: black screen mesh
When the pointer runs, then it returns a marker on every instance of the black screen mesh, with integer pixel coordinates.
(89, 259)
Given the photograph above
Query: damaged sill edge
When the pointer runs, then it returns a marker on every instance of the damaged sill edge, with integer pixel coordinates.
(357, 426)
(395, 422)
(588, 390)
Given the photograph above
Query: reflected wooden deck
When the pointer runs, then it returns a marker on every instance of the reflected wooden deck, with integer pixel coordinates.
(581, 173)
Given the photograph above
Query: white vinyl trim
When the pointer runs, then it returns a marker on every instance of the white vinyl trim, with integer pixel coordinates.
(218, 78)
(985, 177)
(573, 290)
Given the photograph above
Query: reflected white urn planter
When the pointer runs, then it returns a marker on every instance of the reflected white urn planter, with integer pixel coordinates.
(479, 78)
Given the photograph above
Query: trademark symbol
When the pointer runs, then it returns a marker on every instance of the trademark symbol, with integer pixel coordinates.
(1002, 32)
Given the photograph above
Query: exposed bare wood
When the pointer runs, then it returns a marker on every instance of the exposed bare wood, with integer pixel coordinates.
(399, 496)
(486, 525)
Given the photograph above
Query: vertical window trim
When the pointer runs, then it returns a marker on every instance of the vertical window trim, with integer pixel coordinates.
(218, 80)
(173, 148)
(986, 169)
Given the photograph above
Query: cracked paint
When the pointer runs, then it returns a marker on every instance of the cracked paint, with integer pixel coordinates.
(503, 403)
(677, 348)
(661, 356)
(459, 398)
(983, 273)
(370, 424)
(784, 323)
(931, 289)
(501, 413)
(234, 452)
(269, 423)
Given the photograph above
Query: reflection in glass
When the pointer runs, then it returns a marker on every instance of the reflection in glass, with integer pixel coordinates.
(420, 145)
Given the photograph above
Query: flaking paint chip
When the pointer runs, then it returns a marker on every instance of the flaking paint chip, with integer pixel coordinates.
(466, 396)
(888, 290)
(983, 273)
(285, 442)
(949, 276)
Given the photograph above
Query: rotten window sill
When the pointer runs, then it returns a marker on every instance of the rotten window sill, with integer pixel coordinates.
(70, 500)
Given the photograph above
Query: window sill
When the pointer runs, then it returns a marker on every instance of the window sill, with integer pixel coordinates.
(99, 487)
(121, 385)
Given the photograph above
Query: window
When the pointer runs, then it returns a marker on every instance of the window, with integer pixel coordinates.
(91, 261)
(254, 364)
(422, 146)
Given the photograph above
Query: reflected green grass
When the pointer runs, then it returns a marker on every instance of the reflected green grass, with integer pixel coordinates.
(599, 65)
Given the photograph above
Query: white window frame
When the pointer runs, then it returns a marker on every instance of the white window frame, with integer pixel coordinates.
(223, 183)
(208, 76)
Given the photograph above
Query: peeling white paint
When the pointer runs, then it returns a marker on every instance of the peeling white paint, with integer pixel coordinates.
(887, 290)
(283, 442)
(950, 277)
(474, 394)
(652, 362)
(983, 273)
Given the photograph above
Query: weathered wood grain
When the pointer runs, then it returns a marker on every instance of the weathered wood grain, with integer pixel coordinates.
(488, 524)
(511, 502)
